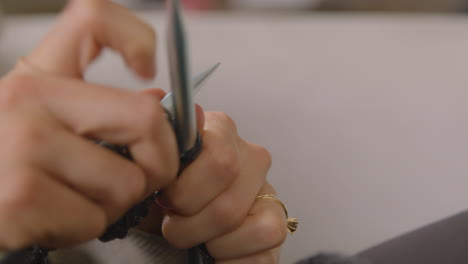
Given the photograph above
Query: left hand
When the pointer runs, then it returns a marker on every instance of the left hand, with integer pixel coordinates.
(214, 199)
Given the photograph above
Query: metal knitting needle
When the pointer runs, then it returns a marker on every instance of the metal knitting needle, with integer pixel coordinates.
(184, 120)
(184, 109)
(198, 82)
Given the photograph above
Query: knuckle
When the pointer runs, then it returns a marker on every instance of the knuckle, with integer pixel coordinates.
(271, 231)
(264, 155)
(225, 161)
(15, 88)
(87, 7)
(227, 215)
(223, 119)
(88, 13)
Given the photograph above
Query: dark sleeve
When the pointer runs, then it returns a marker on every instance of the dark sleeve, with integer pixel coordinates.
(443, 242)
(333, 259)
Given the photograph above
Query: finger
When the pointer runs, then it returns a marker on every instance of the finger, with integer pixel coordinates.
(84, 28)
(109, 180)
(263, 229)
(95, 172)
(36, 209)
(225, 214)
(213, 171)
(117, 116)
(270, 256)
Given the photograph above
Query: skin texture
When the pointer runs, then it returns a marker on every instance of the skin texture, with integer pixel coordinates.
(58, 189)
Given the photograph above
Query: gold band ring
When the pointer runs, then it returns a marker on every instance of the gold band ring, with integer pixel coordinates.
(292, 221)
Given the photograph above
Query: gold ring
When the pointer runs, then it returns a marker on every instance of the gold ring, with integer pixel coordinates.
(292, 221)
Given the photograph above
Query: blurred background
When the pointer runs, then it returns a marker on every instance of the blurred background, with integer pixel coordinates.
(21, 6)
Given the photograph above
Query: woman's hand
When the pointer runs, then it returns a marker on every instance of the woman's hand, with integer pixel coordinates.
(58, 188)
(214, 199)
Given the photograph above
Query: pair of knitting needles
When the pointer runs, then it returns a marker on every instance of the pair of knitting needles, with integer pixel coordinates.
(181, 96)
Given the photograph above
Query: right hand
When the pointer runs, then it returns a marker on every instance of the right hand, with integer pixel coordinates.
(58, 188)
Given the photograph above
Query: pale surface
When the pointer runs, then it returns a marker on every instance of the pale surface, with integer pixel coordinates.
(366, 115)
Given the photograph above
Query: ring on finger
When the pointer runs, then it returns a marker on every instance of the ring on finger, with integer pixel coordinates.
(293, 222)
